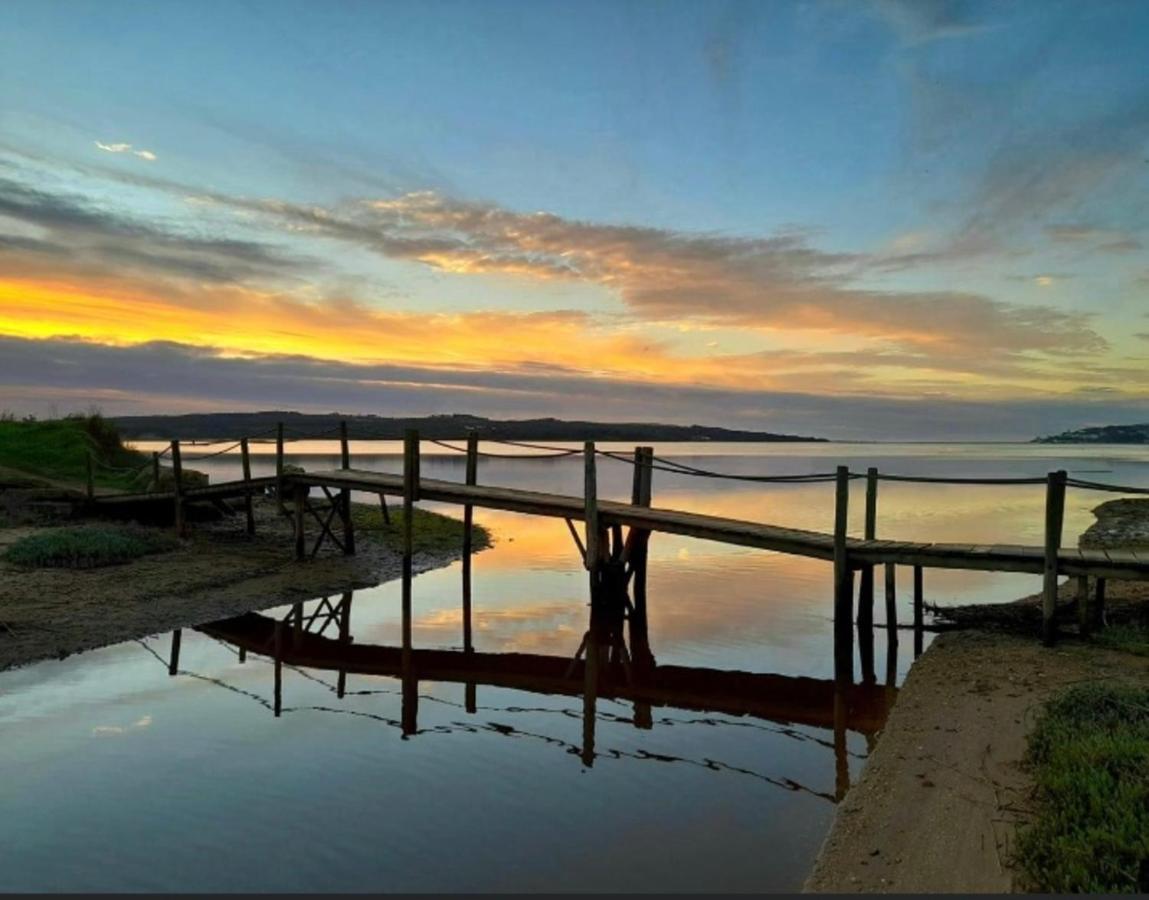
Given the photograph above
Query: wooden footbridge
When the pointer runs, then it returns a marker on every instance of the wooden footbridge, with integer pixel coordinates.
(614, 561)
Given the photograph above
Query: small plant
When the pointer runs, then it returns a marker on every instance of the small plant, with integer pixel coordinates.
(1089, 754)
(87, 547)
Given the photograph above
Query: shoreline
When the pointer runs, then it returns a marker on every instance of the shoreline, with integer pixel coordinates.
(217, 572)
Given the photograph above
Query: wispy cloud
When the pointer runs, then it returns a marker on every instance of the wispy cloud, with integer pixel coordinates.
(126, 148)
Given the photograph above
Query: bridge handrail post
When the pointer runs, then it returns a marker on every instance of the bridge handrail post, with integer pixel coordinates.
(155, 470)
(471, 477)
(869, 532)
(1054, 521)
(178, 488)
(279, 467)
(410, 495)
(345, 494)
(590, 517)
(843, 578)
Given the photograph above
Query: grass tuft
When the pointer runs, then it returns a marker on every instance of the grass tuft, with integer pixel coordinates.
(1089, 754)
(58, 449)
(431, 532)
(87, 547)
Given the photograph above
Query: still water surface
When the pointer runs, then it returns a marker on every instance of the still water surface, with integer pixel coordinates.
(116, 776)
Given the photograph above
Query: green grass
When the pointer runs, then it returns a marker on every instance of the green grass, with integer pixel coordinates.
(57, 449)
(1089, 754)
(1130, 638)
(86, 547)
(431, 532)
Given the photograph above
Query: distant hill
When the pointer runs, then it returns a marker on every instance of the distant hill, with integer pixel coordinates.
(208, 426)
(1106, 434)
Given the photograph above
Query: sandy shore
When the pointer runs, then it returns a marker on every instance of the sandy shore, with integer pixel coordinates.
(217, 572)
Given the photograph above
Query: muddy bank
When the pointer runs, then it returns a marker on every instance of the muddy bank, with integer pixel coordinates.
(218, 571)
(937, 807)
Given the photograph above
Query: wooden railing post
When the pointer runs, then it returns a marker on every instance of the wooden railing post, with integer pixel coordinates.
(1083, 618)
(1054, 520)
(345, 494)
(299, 500)
(155, 470)
(279, 467)
(174, 658)
(245, 459)
(471, 477)
(410, 495)
(178, 488)
(843, 578)
(866, 576)
(590, 518)
(919, 611)
(891, 603)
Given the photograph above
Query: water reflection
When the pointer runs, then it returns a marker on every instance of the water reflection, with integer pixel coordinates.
(614, 661)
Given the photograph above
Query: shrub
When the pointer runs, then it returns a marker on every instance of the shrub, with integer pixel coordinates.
(87, 547)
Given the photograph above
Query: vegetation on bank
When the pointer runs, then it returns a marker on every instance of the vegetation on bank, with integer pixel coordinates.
(87, 547)
(1089, 754)
(57, 449)
(431, 532)
(1105, 434)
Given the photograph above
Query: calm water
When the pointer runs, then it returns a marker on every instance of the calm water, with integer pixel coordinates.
(117, 776)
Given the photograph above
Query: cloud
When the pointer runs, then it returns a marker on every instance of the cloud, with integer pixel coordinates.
(1103, 240)
(922, 21)
(126, 148)
(67, 228)
(169, 377)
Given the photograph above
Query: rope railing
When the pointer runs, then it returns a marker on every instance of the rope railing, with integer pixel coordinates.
(1101, 486)
(944, 479)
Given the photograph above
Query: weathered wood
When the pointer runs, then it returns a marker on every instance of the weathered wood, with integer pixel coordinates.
(155, 470)
(410, 495)
(178, 489)
(277, 651)
(870, 527)
(345, 493)
(919, 608)
(345, 639)
(245, 456)
(590, 518)
(1099, 604)
(637, 553)
(299, 498)
(1083, 619)
(891, 603)
(1054, 519)
(471, 476)
(174, 658)
(843, 577)
(279, 467)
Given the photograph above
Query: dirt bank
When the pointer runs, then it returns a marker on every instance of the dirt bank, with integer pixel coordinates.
(217, 572)
(937, 806)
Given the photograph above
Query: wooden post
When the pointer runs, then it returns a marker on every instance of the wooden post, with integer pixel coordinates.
(91, 477)
(919, 612)
(590, 506)
(891, 603)
(410, 495)
(174, 659)
(866, 587)
(299, 498)
(471, 477)
(155, 471)
(279, 467)
(1099, 604)
(178, 489)
(345, 494)
(1083, 618)
(245, 456)
(296, 624)
(637, 623)
(344, 639)
(1054, 519)
(843, 578)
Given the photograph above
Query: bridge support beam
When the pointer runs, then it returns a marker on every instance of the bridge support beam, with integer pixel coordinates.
(1054, 520)
(843, 580)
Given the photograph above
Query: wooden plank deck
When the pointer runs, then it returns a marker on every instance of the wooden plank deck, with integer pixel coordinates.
(997, 558)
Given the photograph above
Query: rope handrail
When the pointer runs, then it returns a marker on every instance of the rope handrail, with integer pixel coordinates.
(1101, 486)
(489, 454)
(558, 451)
(214, 453)
(945, 479)
(665, 465)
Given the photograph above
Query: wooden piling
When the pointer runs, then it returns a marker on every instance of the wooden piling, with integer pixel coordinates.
(178, 489)
(590, 504)
(344, 639)
(174, 659)
(471, 477)
(843, 577)
(1054, 520)
(919, 612)
(1083, 619)
(155, 470)
(866, 586)
(278, 650)
(891, 603)
(410, 495)
(245, 455)
(345, 493)
(299, 498)
(279, 467)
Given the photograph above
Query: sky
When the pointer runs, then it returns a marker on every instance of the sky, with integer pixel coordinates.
(860, 219)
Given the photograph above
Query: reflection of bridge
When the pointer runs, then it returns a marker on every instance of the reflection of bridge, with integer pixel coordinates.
(799, 701)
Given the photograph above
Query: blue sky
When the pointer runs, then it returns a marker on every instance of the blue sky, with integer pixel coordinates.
(831, 197)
